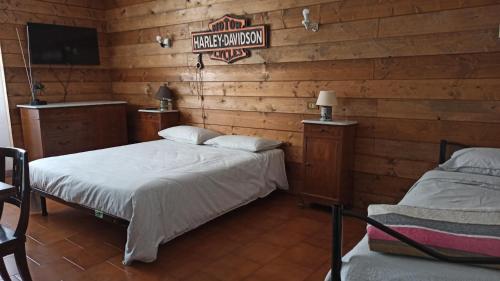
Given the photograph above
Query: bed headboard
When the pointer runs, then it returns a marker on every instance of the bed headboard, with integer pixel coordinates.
(446, 149)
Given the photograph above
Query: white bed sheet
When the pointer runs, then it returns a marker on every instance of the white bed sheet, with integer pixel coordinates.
(163, 188)
(440, 190)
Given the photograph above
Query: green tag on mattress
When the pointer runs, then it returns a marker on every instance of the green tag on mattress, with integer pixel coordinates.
(99, 214)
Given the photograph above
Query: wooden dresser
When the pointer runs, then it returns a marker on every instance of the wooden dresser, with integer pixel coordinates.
(146, 123)
(328, 161)
(64, 128)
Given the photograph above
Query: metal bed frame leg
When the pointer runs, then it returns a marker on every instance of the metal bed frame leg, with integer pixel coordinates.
(43, 204)
(336, 243)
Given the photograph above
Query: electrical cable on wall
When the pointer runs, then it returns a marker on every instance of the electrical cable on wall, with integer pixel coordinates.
(64, 84)
(199, 87)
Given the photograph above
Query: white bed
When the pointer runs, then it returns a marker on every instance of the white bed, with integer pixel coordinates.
(163, 188)
(438, 190)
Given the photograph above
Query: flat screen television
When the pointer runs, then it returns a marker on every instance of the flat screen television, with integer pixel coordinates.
(58, 44)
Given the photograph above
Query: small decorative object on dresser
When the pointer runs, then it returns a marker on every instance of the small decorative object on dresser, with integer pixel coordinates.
(326, 100)
(64, 128)
(328, 161)
(148, 122)
(165, 96)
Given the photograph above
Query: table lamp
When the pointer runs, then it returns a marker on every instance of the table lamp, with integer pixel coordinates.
(165, 96)
(326, 100)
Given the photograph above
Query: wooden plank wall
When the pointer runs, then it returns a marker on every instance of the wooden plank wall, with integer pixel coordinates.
(82, 83)
(410, 71)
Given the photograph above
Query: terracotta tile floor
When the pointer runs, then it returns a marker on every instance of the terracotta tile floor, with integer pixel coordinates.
(270, 239)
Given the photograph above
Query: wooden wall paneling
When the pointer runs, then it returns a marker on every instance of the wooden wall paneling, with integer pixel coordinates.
(481, 111)
(52, 9)
(450, 21)
(421, 45)
(440, 22)
(360, 9)
(18, 75)
(479, 65)
(112, 4)
(409, 150)
(410, 71)
(472, 133)
(161, 15)
(436, 89)
(408, 169)
(55, 88)
(21, 17)
(94, 4)
(389, 186)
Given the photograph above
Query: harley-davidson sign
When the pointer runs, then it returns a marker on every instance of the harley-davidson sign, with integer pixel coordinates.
(228, 39)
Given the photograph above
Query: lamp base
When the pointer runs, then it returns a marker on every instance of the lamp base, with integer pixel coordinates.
(326, 113)
(163, 105)
(37, 102)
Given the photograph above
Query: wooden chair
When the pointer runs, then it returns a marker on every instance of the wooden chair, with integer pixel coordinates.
(18, 194)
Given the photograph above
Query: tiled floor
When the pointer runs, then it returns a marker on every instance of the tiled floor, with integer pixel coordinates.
(270, 239)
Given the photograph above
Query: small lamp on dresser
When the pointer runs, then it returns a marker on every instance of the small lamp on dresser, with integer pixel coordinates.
(165, 96)
(326, 100)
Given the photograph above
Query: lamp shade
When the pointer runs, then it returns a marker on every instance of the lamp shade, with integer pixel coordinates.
(327, 98)
(164, 93)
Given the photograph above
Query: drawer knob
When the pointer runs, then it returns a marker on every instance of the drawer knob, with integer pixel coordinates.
(308, 164)
(322, 130)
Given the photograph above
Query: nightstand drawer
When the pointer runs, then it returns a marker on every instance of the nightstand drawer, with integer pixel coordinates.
(149, 116)
(145, 125)
(323, 130)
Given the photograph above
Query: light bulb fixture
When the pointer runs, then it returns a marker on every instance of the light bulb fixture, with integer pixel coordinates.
(309, 25)
(164, 42)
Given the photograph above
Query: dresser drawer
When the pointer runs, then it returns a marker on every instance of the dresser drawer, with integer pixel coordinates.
(65, 128)
(323, 130)
(60, 145)
(63, 114)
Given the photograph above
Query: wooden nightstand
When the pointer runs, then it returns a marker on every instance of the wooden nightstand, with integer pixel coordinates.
(147, 122)
(328, 161)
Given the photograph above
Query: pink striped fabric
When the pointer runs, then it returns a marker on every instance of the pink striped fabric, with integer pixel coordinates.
(472, 244)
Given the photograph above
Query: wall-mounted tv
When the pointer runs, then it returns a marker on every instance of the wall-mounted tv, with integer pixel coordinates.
(58, 44)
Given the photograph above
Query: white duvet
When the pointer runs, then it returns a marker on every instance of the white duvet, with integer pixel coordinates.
(439, 190)
(163, 188)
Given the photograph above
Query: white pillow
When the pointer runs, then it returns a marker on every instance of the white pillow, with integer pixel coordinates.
(247, 143)
(475, 160)
(188, 134)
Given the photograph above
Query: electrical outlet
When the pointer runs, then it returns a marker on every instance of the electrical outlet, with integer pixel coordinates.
(312, 105)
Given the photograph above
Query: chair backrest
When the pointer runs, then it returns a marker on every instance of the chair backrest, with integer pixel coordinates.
(20, 180)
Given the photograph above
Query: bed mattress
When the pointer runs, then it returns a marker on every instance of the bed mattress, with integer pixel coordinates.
(438, 190)
(163, 188)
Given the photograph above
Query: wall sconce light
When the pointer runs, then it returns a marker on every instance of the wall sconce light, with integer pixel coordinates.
(164, 42)
(309, 25)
